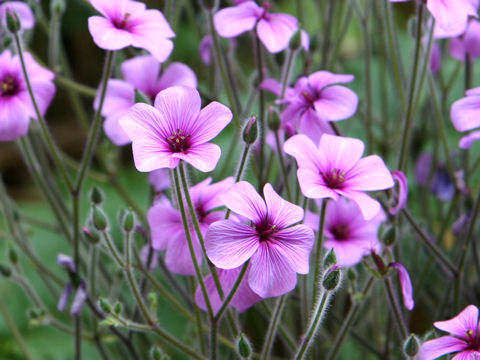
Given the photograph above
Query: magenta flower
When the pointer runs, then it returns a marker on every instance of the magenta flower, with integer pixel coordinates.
(467, 43)
(347, 232)
(243, 298)
(335, 168)
(400, 194)
(159, 179)
(314, 101)
(25, 14)
(464, 114)
(129, 23)
(278, 249)
(273, 30)
(143, 73)
(464, 338)
(175, 129)
(16, 107)
(406, 285)
(167, 229)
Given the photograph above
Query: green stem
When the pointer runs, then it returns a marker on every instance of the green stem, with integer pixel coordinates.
(16, 334)
(319, 248)
(395, 308)
(283, 167)
(272, 327)
(75, 86)
(113, 249)
(263, 127)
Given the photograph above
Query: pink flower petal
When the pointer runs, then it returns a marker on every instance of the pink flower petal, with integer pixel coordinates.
(460, 324)
(229, 244)
(436, 348)
(178, 258)
(369, 173)
(305, 152)
(451, 18)
(469, 43)
(295, 243)
(142, 72)
(177, 74)
(314, 125)
(106, 35)
(401, 193)
(275, 31)
(337, 102)
(204, 157)
(119, 97)
(406, 284)
(210, 122)
(369, 206)
(467, 355)
(464, 113)
(313, 186)
(23, 11)
(341, 153)
(271, 85)
(14, 119)
(320, 79)
(467, 141)
(271, 273)
(281, 212)
(244, 200)
(114, 130)
(165, 222)
(233, 21)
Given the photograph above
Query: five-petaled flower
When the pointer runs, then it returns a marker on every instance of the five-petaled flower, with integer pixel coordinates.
(335, 168)
(175, 129)
(464, 338)
(278, 248)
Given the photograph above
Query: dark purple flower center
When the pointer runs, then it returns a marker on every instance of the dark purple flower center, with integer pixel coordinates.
(8, 86)
(122, 23)
(265, 229)
(340, 232)
(179, 141)
(334, 179)
(472, 340)
(265, 14)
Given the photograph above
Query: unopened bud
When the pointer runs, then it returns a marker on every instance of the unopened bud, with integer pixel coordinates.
(12, 256)
(5, 270)
(13, 22)
(250, 130)
(57, 6)
(140, 97)
(411, 346)
(105, 305)
(92, 237)
(117, 308)
(273, 119)
(99, 219)
(389, 236)
(128, 221)
(330, 259)
(351, 274)
(332, 279)
(156, 353)
(296, 40)
(244, 348)
(96, 196)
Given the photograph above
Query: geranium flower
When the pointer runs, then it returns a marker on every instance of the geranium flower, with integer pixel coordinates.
(175, 129)
(464, 115)
(347, 232)
(335, 168)
(23, 11)
(273, 30)
(16, 107)
(278, 248)
(464, 338)
(129, 23)
(80, 293)
(467, 43)
(167, 228)
(143, 73)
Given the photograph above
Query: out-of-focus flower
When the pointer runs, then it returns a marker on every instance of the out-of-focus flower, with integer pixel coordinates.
(435, 58)
(129, 23)
(400, 192)
(175, 129)
(464, 338)
(16, 107)
(406, 285)
(273, 30)
(335, 168)
(464, 114)
(23, 11)
(347, 232)
(80, 293)
(278, 250)
(467, 43)
(143, 73)
(167, 228)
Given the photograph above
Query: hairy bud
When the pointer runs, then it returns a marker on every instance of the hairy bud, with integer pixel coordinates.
(99, 219)
(332, 278)
(244, 348)
(411, 346)
(250, 130)
(13, 22)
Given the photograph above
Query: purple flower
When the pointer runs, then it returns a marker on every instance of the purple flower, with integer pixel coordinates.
(347, 232)
(335, 168)
(278, 249)
(400, 193)
(406, 285)
(159, 179)
(205, 49)
(464, 338)
(80, 293)
(175, 129)
(273, 30)
(16, 107)
(315, 100)
(243, 298)
(435, 58)
(126, 23)
(25, 14)
(143, 73)
(467, 43)
(464, 114)
(167, 228)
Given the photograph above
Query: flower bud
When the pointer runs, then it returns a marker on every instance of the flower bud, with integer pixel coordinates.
(332, 278)
(57, 6)
(250, 130)
(5, 270)
(296, 40)
(330, 259)
(140, 97)
(91, 236)
(99, 219)
(105, 305)
(273, 119)
(13, 22)
(96, 196)
(128, 221)
(117, 308)
(12, 256)
(411, 346)
(389, 236)
(244, 348)
(351, 274)
(156, 353)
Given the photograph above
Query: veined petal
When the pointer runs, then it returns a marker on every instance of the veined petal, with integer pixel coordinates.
(460, 324)
(276, 31)
(451, 18)
(281, 212)
(406, 284)
(368, 174)
(435, 348)
(177, 74)
(244, 200)
(313, 186)
(337, 103)
(464, 113)
(203, 157)
(295, 243)
(320, 79)
(369, 206)
(467, 355)
(229, 244)
(114, 131)
(341, 153)
(210, 122)
(142, 72)
(119, 97)
(178, 257)
(305, 152)
(106, 36)
(233, 21)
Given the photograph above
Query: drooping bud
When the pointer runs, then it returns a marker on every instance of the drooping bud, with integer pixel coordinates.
(296, 40)
(411, 346)
(105, 305)
(128, 221)
(5, 270)
(330, 259)
(250, 130)
(332, 278)
(99, 219)
(91, 236)
(273, 119)
(140, 97)
(96, 196)
(244, 348)
(13, 22)
(389, 236)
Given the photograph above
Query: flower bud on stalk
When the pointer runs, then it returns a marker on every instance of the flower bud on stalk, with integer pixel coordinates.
(5, 270)
(99, 219)
(330, 259)
(128, 221)
(12, 256)
(331, 280)
(250, 131)
(91, 236)
(105, 305)
(13, 22)
(96, 196)
(244, 348)
(389, 236)
(273, 119)
(57, 6)
(411, 346)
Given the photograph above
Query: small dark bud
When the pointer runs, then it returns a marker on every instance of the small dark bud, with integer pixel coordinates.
(91, 236)
(12, 256)
(381, 267)
(13, 22)
(96, 196)
(117, 308)
(296, 40)
(250, 130)
(244, 348)
(140, 97)
(209, 4)
(57, 6)
(156, 353)
(5, 270)
(389, 236)
(99, 219)
(332, 278)
(330, 259)
(105, 305)
(411, 346)
(273, 119)
(128, 221)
